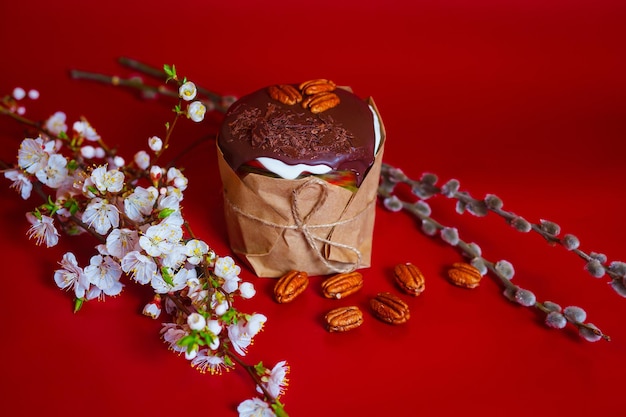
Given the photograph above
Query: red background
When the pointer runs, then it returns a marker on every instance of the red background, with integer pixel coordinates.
(524, 99)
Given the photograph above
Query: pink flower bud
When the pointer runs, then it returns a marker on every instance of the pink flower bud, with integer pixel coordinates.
(155, 173)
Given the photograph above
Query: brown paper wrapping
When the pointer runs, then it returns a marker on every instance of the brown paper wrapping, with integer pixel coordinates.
(277, 225)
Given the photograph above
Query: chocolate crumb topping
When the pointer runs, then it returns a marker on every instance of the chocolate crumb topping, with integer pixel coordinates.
(259, 126)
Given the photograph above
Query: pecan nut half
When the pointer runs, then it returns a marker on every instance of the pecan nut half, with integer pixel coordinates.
(389, 308)
(285, 93)
(464, 275)
(290, 285)
(343, 319)
(409, 278)
(321, 102)
(316, 86)
(342, 285)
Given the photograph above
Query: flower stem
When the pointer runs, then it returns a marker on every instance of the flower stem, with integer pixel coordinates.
(122, 82)
(159, 74)
(252, 372)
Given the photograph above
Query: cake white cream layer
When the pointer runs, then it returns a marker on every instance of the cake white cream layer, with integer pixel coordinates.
(290, 172)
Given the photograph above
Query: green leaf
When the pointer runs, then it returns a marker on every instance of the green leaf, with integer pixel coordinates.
(170, 70)
(62, 135)
(167, 276)
(72, 165)
(51, 206)
(228, 361)
(188, 340)
(37, 214)
(165, 213)
(279, 409)
(71, 205)
(230, 316)
(208, 338)
(78, 303)
(93, 189)
(260, 369)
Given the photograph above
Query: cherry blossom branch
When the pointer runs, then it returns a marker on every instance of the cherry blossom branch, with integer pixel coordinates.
(556, 317)
(212, 101)
(141, 235)
(161, 75)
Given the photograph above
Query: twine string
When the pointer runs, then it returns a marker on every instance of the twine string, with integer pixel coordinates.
(301, 224)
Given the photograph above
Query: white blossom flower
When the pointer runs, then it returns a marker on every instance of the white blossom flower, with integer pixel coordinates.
(247, 290)
(140, 203)
(214, 326)
(161, 238)
(196, 293)
(101, 216)
(107, 180)
(85, 130)
(140, 267)
(100, 153)
(219, 304)
(170, 200)
(98, 293)
(118, 161)
(171, 334)
(255, 324)
(196, 321)
(18, 93)
(187, 91)
(142, 159)
(88, 152)
(155, 143)
(175, 257)
(255, 407)
(276, 381)
(174, 176)
(33, 154)
(239, 338)
(71, 276)
(153, 308)
(33, 94)
(178, 281)
(21, 183)
(121, 241)
(195, 249)
(225, 267)
(196, 111)
(156, 172)
(206, 362)
(191, 353)
(55, 124)
(104, 272)
(231, 283)
(42, 229)
(55, 171)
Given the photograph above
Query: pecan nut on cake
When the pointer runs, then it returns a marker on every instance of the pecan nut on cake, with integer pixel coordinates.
(299, 166)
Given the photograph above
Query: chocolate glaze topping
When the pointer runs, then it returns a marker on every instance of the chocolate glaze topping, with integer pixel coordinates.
(341, 137)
